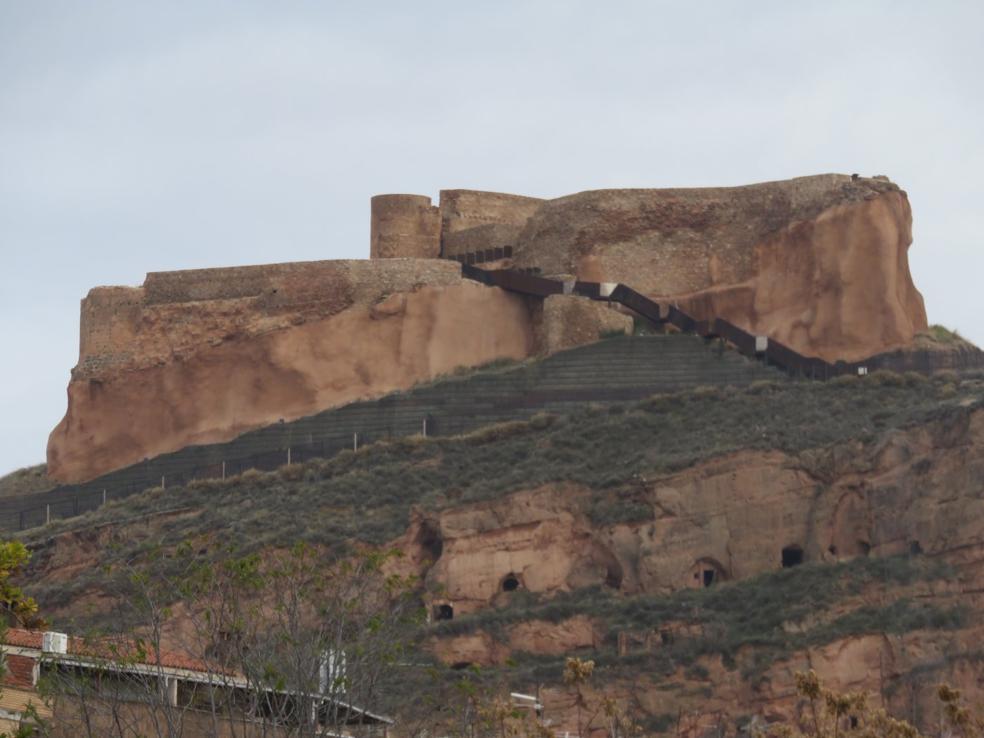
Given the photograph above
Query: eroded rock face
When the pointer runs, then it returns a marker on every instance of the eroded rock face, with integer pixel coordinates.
(915, 491)
(537, 538)
(202, 356)
(819, 263)
(734, 515)
(161, 369)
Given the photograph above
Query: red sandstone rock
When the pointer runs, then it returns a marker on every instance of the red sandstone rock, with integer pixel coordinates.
(204, 355)
(155, 377)
(819, 263)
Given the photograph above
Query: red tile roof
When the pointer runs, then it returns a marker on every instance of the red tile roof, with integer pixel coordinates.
(113, 650)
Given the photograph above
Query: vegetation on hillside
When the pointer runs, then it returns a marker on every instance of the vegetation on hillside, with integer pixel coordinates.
(367, 495)
(26, 481)
(942, 338)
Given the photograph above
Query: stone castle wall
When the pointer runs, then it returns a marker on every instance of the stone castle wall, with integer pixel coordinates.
(177, 312)
(465, 221)
(464, 209)
(203, 355)
(473, 221)
(818, 263)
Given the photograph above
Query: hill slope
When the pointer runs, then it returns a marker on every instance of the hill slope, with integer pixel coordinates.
(594, 533)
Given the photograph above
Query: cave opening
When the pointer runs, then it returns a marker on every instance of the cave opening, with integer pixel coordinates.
(792, 556)
(915, 549)
(443, 612)
(613, 576)
(430, 541)
(706, 572)
(510, 583)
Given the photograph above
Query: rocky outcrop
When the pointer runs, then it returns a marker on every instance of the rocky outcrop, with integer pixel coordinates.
(162, 374)
(735, 515)
(819, 263)
(914, 491)
(558, 568)
(202, 356)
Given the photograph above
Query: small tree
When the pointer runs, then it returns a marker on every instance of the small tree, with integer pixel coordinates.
(18, 609)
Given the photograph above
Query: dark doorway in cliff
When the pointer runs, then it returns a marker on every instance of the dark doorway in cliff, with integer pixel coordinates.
(915, 549)
(792, 556)
(510, 583)
(706, 572)
(430, 541)
(443, 612)
(613, 575)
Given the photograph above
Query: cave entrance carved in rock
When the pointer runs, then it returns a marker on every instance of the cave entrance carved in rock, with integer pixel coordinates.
(510, 583)
(792, 556)
(706, 572)
(443, 611)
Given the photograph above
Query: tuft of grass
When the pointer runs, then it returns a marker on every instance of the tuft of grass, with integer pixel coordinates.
(942, 334)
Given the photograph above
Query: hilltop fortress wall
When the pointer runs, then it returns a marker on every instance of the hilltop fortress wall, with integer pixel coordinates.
(202, 356)
(819, 263)
(199, 356)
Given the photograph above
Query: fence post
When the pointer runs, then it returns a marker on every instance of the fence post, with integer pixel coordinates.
(75, 505)
(104, 496)
(424, 428)
(355, 441)
(288, 456)
(162, 482)
(223, 468)
(47, 513)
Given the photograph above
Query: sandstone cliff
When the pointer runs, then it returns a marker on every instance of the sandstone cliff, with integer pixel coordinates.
(204, 355)
(819, 263)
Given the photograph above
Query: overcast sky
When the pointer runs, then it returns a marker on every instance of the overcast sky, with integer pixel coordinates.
(142, 136)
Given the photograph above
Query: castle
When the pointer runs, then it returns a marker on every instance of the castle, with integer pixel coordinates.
(818, 263)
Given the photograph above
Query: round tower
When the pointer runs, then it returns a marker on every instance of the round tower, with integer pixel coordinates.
(404, 226)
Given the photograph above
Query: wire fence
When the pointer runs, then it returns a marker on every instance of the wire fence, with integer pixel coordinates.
(72, 500)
